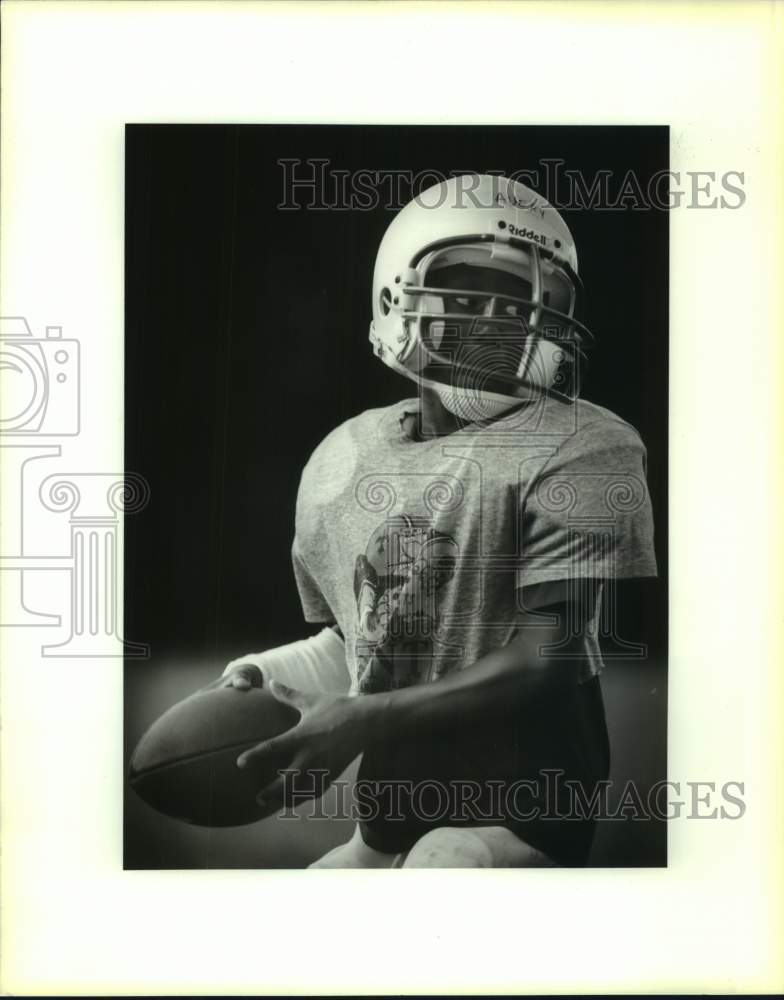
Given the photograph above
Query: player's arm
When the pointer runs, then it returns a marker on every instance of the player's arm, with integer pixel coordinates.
(316, 664)
(535, 667)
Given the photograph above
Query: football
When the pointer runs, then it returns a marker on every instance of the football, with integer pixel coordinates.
(185, 765)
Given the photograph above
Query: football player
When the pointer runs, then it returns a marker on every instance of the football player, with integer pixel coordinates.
(457, 546)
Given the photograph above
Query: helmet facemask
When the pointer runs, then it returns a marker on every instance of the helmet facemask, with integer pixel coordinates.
(475, 296)
(494, 325)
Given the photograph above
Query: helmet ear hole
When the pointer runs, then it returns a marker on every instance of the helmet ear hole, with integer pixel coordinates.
(385, 301)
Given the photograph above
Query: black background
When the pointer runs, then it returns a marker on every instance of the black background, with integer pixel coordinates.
(246, 342)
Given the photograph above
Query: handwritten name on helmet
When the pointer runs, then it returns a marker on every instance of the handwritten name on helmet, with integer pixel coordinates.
(533, 204)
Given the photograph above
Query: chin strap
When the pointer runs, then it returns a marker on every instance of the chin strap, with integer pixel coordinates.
(473, 405)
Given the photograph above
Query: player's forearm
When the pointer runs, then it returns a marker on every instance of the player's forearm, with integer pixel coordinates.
(314, 664)
(515, 679)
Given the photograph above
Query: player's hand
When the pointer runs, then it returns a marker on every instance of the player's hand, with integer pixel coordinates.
(243, 677)
(331, 733)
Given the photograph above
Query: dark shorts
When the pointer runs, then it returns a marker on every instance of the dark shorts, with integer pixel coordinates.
(536, 777)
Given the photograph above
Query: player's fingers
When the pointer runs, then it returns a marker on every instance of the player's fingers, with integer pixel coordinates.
(288, 695)
(279, 747)
(244, 677)
(287, 787)
(273, 795)
(256, 754)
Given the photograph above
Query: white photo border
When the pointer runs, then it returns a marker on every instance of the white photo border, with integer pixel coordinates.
(74, 922)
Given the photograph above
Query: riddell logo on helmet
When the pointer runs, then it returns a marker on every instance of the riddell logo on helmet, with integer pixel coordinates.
(528, 234)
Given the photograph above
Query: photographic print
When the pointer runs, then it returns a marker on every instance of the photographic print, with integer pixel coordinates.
(399, 398)
(389, 397)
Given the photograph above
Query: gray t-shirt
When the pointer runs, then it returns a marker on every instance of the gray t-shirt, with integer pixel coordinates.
(427, 553)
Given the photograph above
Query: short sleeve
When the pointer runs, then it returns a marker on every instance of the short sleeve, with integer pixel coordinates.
(314, 605)
(588, 512)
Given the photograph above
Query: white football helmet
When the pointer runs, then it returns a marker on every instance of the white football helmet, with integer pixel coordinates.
(474, 294)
